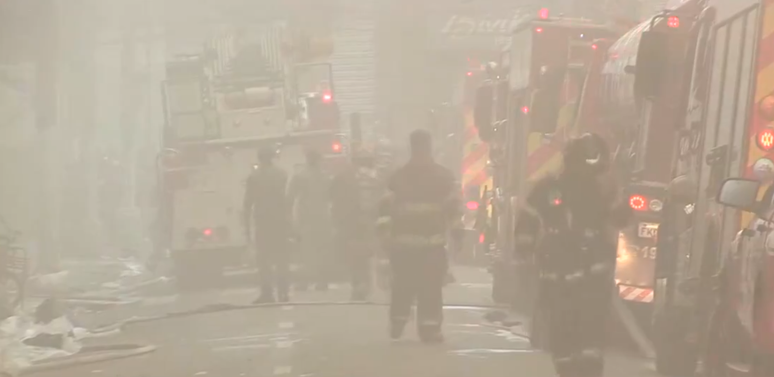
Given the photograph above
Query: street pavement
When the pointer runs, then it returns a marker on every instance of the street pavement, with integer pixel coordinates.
(310, 338)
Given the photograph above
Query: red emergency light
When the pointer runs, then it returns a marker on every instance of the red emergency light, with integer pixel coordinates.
(470, 73)
(525, 109)
(673, 22)
(481, 238)
(543, 14)
(327, 97)
(336, 147)
(638, 202)
(207, 232)
(765, 139)
(538, 30)
(594, 47)
(472, 205)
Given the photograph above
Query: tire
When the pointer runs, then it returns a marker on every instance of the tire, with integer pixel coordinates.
(13, 289)
(674, 356)
(192, 273)
(501, 290)
(538, 331)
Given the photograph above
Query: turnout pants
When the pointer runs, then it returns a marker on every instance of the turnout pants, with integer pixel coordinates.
(577, 323)
(361, 251)
(418, 274)
(273, 264)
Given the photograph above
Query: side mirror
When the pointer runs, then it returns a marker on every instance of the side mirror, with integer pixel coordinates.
(739, 193)
(652, 62)
(482, 112)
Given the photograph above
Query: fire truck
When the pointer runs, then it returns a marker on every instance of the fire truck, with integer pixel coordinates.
(711, 61)
(220, 111)
(525, 111)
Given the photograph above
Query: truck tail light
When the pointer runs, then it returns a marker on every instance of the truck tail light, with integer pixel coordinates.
(472, 205)
(638, 202)
(765, 140)
(673, 22)
(336, 147)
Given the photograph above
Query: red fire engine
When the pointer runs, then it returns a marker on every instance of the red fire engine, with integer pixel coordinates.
(697, 81)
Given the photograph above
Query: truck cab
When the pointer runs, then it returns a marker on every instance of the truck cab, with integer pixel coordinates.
(741, 331)
(724, 131)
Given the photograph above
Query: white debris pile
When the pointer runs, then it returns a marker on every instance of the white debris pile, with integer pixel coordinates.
(24, 342)
(104, 276)
(26, 339)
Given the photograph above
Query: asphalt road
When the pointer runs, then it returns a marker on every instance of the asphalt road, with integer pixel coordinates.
(327, 341)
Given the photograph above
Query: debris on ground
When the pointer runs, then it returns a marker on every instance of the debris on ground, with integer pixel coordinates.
(45, 333)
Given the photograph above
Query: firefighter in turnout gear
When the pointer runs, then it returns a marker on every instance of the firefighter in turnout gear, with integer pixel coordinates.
(421, 205)
(266, 214)
(569, 227)
(355, 196)
(309, 198)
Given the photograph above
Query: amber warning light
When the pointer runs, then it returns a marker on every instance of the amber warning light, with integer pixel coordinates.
(765, 139)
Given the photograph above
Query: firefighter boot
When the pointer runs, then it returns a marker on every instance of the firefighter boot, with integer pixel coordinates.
(265, 298)
(396, 329)
(430, 335)
(283, 297)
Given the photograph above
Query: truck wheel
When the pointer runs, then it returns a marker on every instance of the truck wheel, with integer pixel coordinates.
(194, 273)
(13, 290)
(538, 331)
(674, 356)
(501, 290)
(498, 296)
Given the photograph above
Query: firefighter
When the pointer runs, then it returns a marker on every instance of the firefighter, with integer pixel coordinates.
(266, 213)
(569, 226)
(355, 196)
(308, 196)
(421, 204)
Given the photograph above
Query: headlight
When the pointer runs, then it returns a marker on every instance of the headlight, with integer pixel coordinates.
(623, 253)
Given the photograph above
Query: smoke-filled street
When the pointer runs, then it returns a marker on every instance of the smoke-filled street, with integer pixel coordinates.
(309, 338)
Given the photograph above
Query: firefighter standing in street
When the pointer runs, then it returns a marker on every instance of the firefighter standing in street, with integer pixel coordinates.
(569, 227)
(421, 205)
(309, 197)
(355, 195)
(266, 205)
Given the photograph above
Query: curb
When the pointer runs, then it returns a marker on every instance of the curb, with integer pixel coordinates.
(217, 308)
(112, 352)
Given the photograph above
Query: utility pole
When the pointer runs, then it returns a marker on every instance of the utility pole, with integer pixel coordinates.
(79, 34)
(46, 95)
(134, 115)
